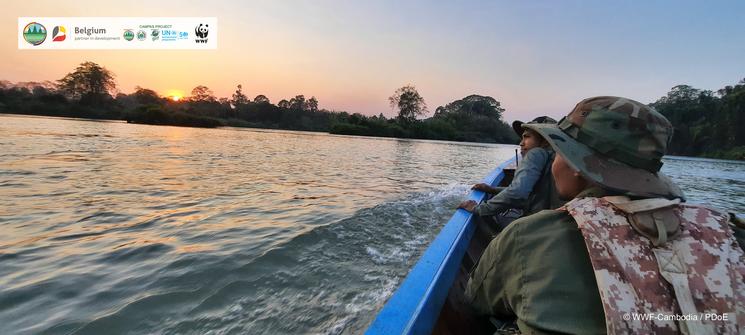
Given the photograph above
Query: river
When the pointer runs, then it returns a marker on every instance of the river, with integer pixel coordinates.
(108, 227)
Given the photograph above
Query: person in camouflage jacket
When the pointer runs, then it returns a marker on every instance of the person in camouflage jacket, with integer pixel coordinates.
(625, 245)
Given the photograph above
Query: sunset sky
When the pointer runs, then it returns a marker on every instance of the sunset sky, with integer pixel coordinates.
(536, 57)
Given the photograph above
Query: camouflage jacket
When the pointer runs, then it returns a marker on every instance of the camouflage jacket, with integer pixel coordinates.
(538, 271)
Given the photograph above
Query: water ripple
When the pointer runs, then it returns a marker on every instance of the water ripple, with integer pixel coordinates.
(149, 229)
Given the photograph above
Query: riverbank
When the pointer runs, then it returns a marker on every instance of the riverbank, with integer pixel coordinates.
(185, 120)
(736, 153)
(337, 123)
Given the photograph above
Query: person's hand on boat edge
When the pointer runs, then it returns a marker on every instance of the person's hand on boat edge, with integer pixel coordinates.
(485, 188)
(468, 205)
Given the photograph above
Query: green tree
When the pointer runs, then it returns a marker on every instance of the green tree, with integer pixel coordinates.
(472, 105)
(144, 96)
(298, 102)
(409, 103)
(473, 118)
(283, 104)
(260, 99)
(312, 104)
(89, 80)
(202, 94)
(693, 114)
(239, 98)
(733, 114)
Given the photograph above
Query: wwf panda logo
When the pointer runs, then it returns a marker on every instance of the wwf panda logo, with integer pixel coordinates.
(202, 30)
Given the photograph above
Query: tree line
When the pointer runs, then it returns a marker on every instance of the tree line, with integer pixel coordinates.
(706, 123)
(89, 91)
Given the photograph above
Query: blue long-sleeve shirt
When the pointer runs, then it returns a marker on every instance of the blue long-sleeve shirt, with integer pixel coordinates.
(528, 173)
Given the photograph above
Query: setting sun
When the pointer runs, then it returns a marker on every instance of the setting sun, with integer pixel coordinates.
(175, 95)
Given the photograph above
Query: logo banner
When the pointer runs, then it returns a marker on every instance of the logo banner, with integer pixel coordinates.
(192, 33)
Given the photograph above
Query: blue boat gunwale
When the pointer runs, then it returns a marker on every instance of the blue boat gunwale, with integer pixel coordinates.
(415, 306)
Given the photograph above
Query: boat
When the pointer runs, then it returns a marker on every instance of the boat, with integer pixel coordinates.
(430, 299)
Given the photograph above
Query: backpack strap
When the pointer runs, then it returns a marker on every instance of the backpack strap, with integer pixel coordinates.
(653, 218)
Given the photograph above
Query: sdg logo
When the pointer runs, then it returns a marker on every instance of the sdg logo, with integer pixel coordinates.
(129, 34)
(34, 33)
(58, 34)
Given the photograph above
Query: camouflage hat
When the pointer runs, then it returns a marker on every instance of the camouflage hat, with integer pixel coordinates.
(517, 126)
(615, 142)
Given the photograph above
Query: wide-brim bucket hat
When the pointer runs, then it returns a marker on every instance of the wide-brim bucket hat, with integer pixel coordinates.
(615, 142)
(517, 126)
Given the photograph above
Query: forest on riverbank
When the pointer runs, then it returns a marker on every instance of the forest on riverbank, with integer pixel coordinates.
(90, 92)
(706, 123)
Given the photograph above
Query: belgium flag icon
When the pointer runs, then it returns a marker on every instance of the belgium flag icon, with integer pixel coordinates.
(58, 34)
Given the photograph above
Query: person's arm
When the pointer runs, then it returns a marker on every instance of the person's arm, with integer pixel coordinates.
(488, 189)
(515, 195)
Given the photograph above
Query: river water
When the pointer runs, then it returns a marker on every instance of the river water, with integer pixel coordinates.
(115, 228)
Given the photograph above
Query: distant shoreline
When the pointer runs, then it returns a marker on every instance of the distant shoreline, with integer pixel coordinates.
(260, 129)
(681, 157)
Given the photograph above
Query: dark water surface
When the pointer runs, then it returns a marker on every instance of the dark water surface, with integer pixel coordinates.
(108, 227)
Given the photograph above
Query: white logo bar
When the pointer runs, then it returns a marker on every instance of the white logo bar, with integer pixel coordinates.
(194, 33)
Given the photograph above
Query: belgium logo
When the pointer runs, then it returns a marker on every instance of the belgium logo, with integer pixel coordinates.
(58, 34)
(34, 33)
